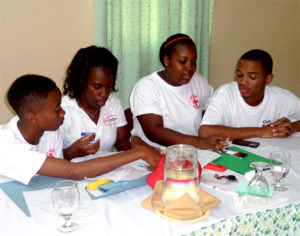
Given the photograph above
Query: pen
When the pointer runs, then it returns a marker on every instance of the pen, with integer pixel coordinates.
(220, 189)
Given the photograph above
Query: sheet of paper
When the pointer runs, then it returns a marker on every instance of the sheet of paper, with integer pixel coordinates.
(130, 171)
(206, 156)
(42, 210)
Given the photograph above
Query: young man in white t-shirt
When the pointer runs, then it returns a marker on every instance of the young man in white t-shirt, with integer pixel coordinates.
(249, 107)
(32, 144)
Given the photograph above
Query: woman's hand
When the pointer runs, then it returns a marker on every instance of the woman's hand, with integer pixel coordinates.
(217, 142)
(81, 147)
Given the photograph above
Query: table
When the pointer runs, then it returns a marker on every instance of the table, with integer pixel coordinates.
(121, 214)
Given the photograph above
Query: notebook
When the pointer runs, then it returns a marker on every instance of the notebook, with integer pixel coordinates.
(237, 164)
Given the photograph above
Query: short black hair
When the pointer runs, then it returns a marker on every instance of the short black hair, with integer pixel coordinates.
(259, 55)
(27, 90)
(170, 44)
(79, 69)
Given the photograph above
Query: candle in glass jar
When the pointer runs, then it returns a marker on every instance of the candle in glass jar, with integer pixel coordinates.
(178, 183)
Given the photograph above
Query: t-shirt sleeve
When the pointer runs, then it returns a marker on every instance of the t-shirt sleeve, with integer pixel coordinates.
(145, 99)
(120, 113)
(208, 92)
(295, 109)
(19, 164)
(65, 128)
(58, 144)
(214, 114)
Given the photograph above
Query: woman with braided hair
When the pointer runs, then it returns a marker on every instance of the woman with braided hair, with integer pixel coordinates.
(167, 105)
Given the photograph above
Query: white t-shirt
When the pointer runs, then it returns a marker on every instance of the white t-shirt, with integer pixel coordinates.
(77, 124)
(228, 108)
(20, 160)
(181, 107)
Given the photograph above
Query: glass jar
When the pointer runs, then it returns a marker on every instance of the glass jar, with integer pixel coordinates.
(180, 173)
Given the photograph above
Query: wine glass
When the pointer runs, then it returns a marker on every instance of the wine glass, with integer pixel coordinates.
(280, 163)
(65, 199)
(258, 187)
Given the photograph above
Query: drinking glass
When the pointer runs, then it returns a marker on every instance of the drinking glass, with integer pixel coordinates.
(258, 187)
(65, 199)
(280, 163)
(180, 173)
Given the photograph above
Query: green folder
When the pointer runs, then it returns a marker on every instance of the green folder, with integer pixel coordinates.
(237, 164)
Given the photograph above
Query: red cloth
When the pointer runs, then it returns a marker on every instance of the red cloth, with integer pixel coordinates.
(158, 173)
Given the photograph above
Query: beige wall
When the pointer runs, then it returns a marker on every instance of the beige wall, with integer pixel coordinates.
(40, 36)
(272, 25)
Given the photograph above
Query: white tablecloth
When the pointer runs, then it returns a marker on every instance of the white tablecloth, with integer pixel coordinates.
(121, 214)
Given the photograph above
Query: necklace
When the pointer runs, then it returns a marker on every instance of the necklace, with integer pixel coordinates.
(90, 115)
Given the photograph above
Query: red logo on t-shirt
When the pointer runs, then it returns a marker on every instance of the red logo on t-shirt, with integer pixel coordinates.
(110, 120)
(194, 101)
(50, 153)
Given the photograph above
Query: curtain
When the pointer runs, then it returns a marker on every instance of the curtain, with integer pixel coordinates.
(133, 31)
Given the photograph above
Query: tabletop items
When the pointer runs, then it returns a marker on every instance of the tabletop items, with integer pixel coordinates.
(119, 213)
(184, 208)
(65, 199)
(258, 187)
(258, 190)
(181, 176)
(177, 196)
(180, 173)
(280, 163)
(238, 159)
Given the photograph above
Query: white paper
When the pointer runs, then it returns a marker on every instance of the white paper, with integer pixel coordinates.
(42, 210)
(130, 171)
(206, 156)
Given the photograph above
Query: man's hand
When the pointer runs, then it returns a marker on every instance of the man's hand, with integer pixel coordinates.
(81, 147)
(282, 128)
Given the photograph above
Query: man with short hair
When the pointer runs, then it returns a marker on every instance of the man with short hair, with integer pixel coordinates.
(250, 107)
(32, 144)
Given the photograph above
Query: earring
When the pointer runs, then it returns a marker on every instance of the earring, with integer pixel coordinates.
(167, 65)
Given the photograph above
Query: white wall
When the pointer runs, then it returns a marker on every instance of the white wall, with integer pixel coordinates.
(41, 37)
(271, 25)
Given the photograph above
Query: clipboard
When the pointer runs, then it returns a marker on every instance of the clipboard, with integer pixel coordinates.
(14, 189)
(237, 164)
(118, 187)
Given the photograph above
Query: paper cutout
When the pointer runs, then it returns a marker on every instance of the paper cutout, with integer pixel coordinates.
(14, 189)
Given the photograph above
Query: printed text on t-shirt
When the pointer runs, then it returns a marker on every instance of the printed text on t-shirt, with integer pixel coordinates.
(110, 120)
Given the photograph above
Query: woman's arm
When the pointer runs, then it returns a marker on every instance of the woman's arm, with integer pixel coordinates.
(155, 131)
(122, 142)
